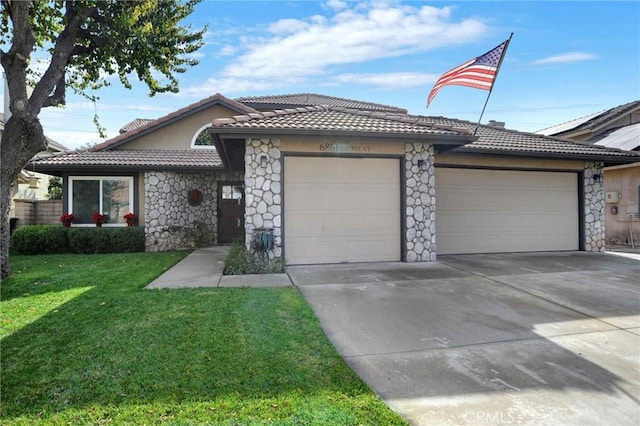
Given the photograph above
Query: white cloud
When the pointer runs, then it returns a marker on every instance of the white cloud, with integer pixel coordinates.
(297, 50)
(75, 139)
(336, 5)
(227, 50)
(389, 80)
(89, 108)
(288, 26)
(566, 57)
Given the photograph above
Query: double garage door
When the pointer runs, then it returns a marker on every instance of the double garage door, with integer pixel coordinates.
(340, 209)
(492, 211)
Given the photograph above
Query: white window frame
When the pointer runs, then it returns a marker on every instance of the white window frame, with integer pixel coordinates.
(99, 178)
(195, 136)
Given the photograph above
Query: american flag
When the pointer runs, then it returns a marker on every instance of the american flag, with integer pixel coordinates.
(479, 72)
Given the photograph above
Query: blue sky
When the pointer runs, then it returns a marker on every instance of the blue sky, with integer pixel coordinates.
(566, 60)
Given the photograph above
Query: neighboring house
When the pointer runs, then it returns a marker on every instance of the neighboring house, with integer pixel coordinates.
(337, 180)
(617, 127)
(32, 185)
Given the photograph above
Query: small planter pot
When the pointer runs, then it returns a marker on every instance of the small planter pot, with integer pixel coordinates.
(99, 224)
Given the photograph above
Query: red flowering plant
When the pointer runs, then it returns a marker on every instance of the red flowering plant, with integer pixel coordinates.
(66, 219)
(98, 218)
(130, 218)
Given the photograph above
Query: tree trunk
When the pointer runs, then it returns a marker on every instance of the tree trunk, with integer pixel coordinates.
(22, 139)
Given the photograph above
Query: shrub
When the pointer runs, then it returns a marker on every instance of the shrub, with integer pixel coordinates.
(40, 239)
(240, 261)
(106, 240)
(50, 239)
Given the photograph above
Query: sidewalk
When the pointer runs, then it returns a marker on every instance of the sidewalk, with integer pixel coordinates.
(203, 268)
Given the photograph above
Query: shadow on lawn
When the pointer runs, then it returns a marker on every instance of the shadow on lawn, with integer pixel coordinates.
(113, 347)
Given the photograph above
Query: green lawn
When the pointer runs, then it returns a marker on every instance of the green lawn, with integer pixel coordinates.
(84, 343)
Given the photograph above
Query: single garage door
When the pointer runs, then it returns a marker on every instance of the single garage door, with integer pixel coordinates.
(341, 210)
(492, 211)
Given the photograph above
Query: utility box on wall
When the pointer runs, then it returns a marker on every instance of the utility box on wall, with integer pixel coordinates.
(611, 197)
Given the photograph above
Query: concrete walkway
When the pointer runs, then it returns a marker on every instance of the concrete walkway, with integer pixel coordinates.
(203, 268)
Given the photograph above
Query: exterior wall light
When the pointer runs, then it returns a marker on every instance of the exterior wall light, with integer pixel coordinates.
(263, 161)
(422, 165)
(597, 178)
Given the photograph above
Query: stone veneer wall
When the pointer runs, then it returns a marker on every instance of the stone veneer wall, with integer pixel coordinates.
(263, 191)
(170, 221)
(594, 239)
(420, 200)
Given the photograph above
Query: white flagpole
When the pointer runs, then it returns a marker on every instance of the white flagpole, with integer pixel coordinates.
(504, 52)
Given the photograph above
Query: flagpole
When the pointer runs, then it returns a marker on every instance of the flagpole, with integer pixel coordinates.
(504, 53)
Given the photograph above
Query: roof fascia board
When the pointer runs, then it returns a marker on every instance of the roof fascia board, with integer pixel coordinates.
(567, 156)
(40, 168)
(226, 133)
(617, 117)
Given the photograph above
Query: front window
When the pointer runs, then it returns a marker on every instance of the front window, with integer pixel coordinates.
(111, 196)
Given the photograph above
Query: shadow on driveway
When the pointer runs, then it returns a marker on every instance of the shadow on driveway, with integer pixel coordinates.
(544, 338)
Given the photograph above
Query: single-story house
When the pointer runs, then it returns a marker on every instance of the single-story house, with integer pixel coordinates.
(338, 180)
(617, 127)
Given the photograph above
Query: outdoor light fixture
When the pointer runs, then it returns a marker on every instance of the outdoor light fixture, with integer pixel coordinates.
(422, 165)
(597, 178)
(263, 161)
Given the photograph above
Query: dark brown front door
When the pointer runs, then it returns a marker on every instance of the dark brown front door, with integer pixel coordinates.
(231, 212)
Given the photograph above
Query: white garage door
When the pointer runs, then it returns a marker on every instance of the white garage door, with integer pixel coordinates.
(492, 211)
(341, 210)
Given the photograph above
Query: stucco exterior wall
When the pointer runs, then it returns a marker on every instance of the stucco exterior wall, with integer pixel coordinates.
(171, 222)
(450, 159)
(624, 180)
(179, 134)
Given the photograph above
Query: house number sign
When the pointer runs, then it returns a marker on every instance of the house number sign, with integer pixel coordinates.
(344, 147)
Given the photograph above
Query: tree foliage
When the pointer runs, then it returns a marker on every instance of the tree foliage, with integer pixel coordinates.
(81, 43)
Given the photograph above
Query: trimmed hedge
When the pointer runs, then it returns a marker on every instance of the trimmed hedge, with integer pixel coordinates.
(40, 239)
(49, 239)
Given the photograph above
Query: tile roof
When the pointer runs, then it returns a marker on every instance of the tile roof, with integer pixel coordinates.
(169, 118)
(312, 99)
(131, 159)
(314, 119)
(499, 140)
(138, 122)
(591, 121)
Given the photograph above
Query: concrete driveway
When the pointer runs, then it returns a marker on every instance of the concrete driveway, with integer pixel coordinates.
(544, 338)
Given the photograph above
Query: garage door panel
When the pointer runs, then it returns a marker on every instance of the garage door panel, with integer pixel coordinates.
(341, 210)
(307, 224)
(486, 211)
(316, 195)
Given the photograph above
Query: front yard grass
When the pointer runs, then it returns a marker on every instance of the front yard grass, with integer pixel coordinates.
(84, 343)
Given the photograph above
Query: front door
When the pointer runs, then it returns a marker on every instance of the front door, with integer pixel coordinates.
(230, 212)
